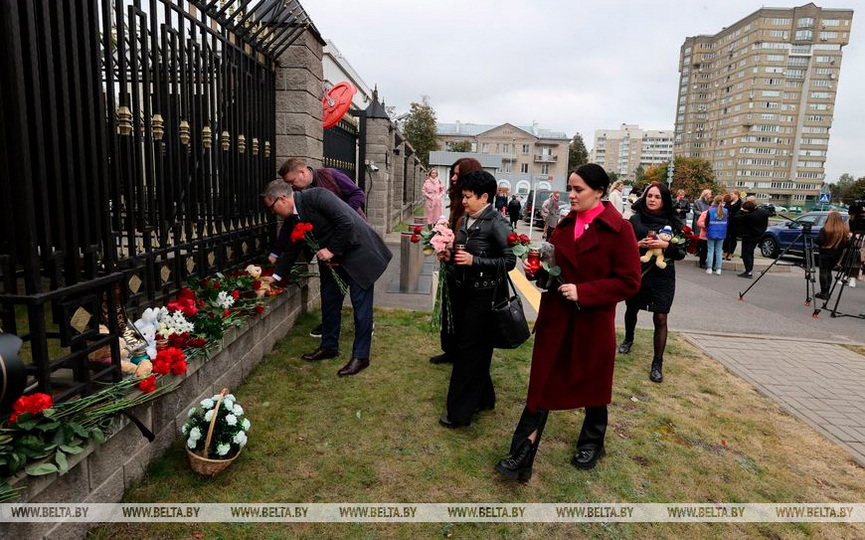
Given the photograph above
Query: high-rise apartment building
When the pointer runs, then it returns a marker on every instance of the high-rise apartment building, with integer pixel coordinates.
(757, 100)
(623, 150)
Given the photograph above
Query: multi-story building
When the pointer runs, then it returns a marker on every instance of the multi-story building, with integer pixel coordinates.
(530, 156)
(623, 150)
(757, 99)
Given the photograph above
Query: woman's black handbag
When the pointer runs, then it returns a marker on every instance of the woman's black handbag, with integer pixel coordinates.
(510, 328)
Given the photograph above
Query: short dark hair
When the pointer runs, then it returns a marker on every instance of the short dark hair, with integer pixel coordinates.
(749, 206)
(478, 182)
(594, 176)
(291, 164)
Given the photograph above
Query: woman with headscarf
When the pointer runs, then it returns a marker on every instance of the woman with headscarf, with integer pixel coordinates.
(652, 212)
(432, 191)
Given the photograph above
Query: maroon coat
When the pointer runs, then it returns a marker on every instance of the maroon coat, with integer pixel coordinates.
(575, 349)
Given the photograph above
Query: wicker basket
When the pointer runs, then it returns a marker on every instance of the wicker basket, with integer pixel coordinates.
(201, 463)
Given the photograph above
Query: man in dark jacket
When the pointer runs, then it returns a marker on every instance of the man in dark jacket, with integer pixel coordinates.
(750, 223)
(349, 247)
(514, 208)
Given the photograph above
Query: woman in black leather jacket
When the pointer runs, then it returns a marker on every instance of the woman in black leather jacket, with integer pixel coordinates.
(477, 270)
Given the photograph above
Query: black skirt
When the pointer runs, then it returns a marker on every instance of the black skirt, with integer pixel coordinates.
(657, 289)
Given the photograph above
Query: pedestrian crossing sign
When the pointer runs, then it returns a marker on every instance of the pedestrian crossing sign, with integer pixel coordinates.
(824, 198)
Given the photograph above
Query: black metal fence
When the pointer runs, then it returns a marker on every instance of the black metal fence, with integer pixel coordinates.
(342, 147)
(134, 140)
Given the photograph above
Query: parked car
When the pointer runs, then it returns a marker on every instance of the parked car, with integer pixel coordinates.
(777, 238)
(769, 208)
(528, 210)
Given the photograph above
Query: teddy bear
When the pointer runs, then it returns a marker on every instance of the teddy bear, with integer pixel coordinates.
(665, 234)
(255, 272)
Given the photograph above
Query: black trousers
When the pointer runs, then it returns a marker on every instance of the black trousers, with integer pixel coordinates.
(730, 244)
(827, 264)
(471, 386)
(748, 247)
(703, 252)
(591, 435)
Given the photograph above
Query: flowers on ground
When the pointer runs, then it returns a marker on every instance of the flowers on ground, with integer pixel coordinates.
(229, 431)
(32, 404)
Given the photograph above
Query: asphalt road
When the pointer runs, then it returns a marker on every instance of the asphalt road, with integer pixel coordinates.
(774, 306)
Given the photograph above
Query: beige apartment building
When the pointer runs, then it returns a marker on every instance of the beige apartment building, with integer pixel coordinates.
(530, 155)
(623, 150)
(757, 100)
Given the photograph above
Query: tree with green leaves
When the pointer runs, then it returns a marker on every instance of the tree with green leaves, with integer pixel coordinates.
(461, 146)
(691, 174)
(855, 191)
(420, 129)
(639, 175)
(577, 154)
(843, 189)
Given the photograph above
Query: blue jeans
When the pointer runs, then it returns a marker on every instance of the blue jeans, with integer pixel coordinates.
(331, 312)
(713, 258)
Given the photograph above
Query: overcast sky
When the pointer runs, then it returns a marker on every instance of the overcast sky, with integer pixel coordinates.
(569, 65)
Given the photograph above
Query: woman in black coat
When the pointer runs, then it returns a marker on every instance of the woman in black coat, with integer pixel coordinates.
(750, 223)
(652, 212)
(477, 270)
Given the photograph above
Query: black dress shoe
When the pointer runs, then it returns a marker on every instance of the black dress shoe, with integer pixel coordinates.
(445, 421)
(354, 366)
(821, 296)
(746, 275)
(316, 332)
(587, 458)
(625, 347)
(320, 354)
(443, 358)
(656, 373)
(519, 466)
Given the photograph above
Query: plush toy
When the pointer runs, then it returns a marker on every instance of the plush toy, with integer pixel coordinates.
(665, 234)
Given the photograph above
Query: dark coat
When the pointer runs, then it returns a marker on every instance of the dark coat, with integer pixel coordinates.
(357, 248)
(575, 346)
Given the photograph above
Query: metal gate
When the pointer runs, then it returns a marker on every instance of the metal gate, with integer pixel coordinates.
(135, 138)
(342, 147)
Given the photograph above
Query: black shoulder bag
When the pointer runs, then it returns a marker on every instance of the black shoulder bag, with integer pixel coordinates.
(510, 328)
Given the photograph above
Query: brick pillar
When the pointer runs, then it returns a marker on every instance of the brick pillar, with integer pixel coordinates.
(379, 151)
(299, 132)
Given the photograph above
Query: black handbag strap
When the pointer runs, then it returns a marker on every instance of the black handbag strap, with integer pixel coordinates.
(513, 289)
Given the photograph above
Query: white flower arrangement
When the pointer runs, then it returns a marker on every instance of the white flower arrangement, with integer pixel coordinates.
(229, 432)
(224, 300)
(173, 323)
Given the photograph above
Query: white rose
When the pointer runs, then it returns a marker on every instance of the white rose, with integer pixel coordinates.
(228, 404)
(231, 420)
(237, 410)
(245, 424)
(194, 434)
(240, 438)
(190, 413)
(208, 415)
(191, 443)
(223, 449)
(207, 403)
(184, 429)
(230, 397)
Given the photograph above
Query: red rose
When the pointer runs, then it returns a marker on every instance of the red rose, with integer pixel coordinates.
(524, 239)
(235, 295)
(415, 238)
(33, 404)
(179, 367)
(226, 314)
(197, 342)
(186, 292)
(256, 285)
(147, 385)
(513, 239)
(259, 309)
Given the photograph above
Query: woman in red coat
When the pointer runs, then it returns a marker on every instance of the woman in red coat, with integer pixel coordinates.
(575, 332)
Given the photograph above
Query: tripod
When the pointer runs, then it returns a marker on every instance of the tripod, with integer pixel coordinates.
(849, 260)
(808, 265)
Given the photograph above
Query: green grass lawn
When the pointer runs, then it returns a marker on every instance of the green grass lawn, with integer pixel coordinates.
(701, 436)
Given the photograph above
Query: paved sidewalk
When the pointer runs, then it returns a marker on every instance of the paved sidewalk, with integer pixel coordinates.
(820, 383)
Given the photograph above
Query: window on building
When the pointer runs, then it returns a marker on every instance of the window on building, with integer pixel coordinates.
(525, 148)
(805, 22)
(524, 167)
(828, 35)
(804, 35)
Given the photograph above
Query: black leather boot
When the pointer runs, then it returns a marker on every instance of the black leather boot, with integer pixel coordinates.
(518, 466)
(656, 375)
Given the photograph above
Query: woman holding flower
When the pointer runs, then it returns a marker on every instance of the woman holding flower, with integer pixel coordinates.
(598, 265)
(477, 268)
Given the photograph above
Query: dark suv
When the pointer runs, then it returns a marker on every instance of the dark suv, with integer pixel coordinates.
(787, 234)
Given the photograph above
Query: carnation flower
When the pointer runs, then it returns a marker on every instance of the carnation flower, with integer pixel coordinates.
(207, 403)
(228, 404)
(194, 434)
(240, 438)
(191, 443)
(246, 424)
(237, 409)
(223, 449)
(208, 416)
(231, 420)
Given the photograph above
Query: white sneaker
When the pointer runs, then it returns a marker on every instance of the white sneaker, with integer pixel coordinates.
(718, 272)
(709, 270)
(851, 283)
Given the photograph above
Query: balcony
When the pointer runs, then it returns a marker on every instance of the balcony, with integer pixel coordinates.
(545, 158)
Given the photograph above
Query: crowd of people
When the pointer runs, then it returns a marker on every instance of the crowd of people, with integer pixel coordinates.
(601, 249)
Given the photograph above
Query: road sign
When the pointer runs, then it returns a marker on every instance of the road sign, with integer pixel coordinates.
(824, 198)
(670, 168)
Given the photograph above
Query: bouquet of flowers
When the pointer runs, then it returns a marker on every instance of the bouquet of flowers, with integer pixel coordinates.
(437, 240)
(687, 237)
(230, 427)
(303, 231)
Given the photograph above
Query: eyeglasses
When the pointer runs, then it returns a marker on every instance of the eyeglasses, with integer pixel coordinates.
(271, 205)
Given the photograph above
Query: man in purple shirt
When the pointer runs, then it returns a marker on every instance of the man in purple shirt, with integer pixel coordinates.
(296, 172)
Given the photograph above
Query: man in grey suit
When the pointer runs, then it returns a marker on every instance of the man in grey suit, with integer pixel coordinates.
(350, 246)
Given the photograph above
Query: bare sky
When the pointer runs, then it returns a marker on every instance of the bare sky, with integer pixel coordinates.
(569, 65)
